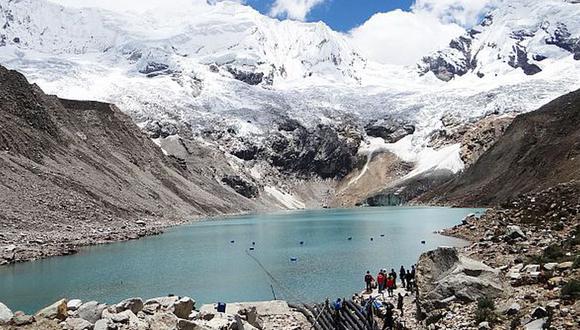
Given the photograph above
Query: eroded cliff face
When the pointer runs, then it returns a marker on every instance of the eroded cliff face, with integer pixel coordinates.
(79, 172)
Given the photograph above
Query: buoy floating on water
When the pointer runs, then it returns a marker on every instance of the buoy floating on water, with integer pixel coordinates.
(372, 239)
(422, 242)
(293, 259)
(350, 238)
(301, 242)
(232, 241)
(253, 243)
(251, 249)
(382, 235)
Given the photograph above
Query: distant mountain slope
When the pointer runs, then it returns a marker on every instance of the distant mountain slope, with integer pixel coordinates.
(76, 172)
(539, 150)
(527, 35)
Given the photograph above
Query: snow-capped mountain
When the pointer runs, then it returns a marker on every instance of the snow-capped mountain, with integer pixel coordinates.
(526, 34)
(259, 89)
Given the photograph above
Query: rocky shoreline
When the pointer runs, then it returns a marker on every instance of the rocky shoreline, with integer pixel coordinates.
(533, 242)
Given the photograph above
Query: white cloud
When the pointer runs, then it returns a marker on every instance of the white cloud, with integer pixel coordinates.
(403, 37)
(294, 9)
(400, 37)
(464, 12)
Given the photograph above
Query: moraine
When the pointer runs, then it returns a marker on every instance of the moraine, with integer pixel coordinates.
(200, 259)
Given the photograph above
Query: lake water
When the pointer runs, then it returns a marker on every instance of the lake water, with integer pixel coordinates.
(199, 260)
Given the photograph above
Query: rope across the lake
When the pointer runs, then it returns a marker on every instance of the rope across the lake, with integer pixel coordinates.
(298, 298)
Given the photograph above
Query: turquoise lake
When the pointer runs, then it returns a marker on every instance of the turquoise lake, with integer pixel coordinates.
(199, 260)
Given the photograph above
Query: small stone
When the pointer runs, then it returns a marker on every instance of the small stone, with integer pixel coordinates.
(539, 312)
(74, 304)
(58, 310)
(550, 266)
(565, 265)
(553, 305)
(186, 325)
(513, 309)
(21, 319)
(537, 324)
(484, 326)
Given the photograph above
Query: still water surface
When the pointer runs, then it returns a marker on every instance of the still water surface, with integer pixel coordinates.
(199, 260)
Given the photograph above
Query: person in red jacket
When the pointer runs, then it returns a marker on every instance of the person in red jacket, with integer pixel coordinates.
(369, 281)
(390, 285)
(381, 281)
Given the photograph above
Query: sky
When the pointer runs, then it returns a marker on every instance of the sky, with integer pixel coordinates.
(396, 32)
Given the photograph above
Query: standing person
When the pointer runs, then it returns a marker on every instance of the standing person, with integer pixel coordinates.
(381, 281)
(337, 307)
(369, 281)
(388, 318)
(390, 285)
(402, 273)
(400, 303)
(394, 275)
(409, 280)
(413, 271)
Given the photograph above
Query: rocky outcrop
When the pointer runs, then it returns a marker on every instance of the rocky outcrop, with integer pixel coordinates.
(250, 78)
(323, 151)
(241, 186)
(457, 61)
(444, 275)
(562, 38)
(519, 59)
(390, 129)
(475, 137)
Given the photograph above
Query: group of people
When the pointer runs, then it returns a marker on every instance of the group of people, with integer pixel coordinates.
(388, 281)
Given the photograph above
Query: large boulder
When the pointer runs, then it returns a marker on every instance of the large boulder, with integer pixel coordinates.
(183, 307)
(5, 314)
(58, 310)
(444, 273)
(135, 305)
(389, 129)
(90, 311)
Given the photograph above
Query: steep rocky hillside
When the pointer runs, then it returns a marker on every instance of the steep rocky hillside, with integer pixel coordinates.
(538, 150)
(76, 172)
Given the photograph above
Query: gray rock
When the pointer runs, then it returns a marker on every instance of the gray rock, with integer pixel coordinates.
(74, 323)
(537, 324)
(135, 305)
(58, 310)
(21, 319)
(5, 314)
(102, 325)
(164, 302)
(186, 325)
(183, 307)
(91, 311)
(74, 304)
(513, 309)
(443, 273)
(539, 312)
(515, 232)
(484, 326)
